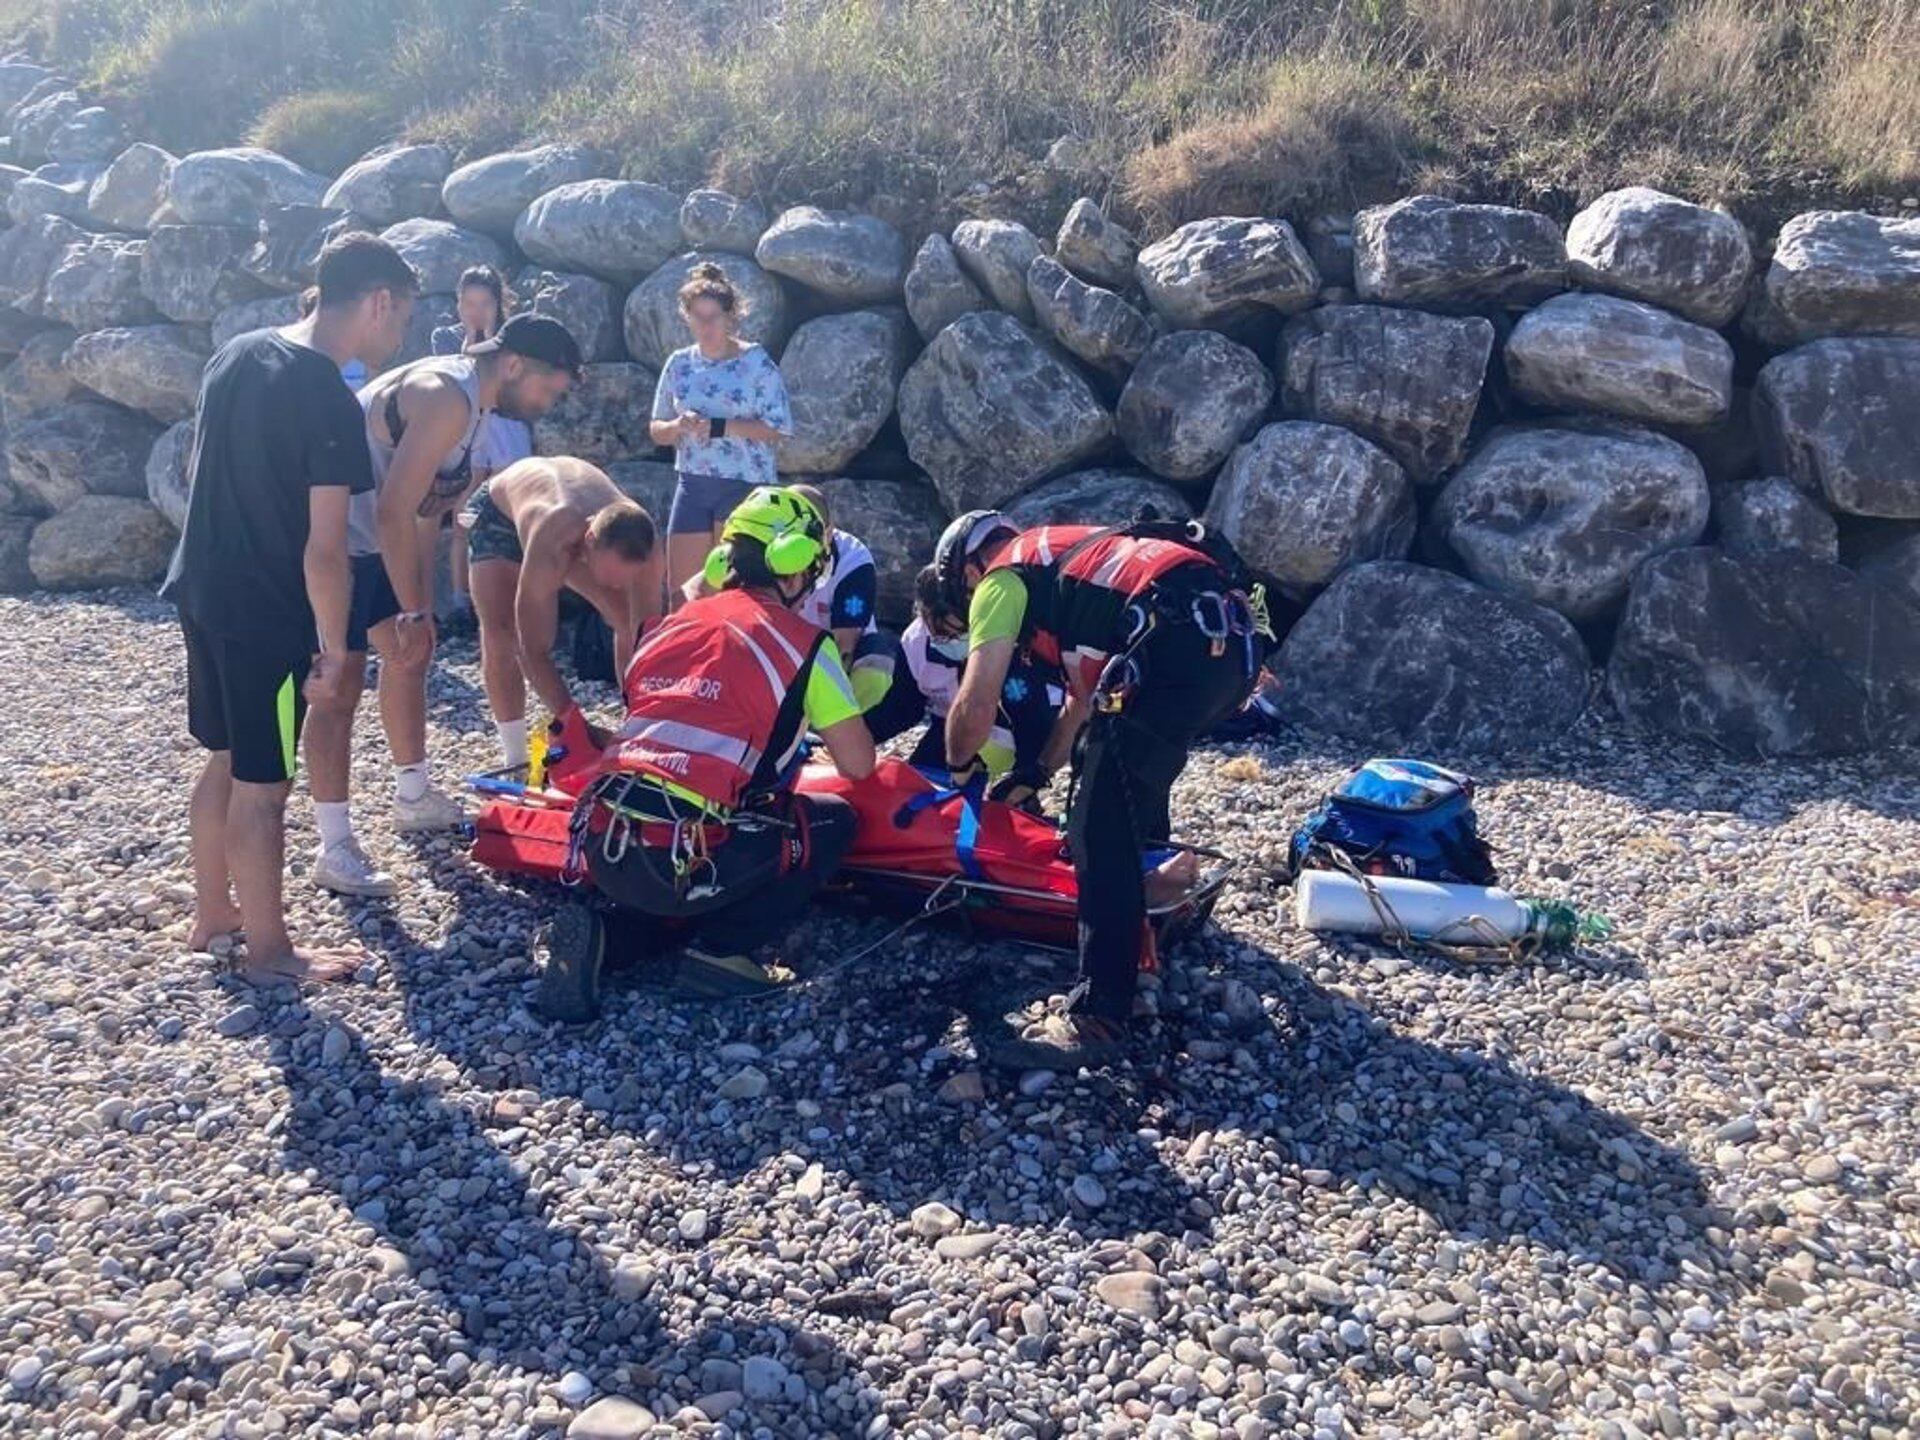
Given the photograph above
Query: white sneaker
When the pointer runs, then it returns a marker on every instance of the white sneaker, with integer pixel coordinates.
(432, 811)
(343, 868)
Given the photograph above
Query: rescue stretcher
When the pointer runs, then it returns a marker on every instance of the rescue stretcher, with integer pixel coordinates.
(919, 846)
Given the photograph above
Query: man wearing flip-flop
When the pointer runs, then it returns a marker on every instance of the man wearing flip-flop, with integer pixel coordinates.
(1158, 636)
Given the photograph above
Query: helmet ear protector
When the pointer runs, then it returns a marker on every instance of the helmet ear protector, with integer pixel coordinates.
(792, 534)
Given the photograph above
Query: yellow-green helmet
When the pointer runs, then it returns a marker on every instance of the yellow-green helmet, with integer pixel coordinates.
(789, 528)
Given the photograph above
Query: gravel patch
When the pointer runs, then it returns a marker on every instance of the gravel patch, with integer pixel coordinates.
(1669, 1186)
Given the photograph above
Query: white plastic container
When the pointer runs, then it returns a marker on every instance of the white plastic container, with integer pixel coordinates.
(1327, 900)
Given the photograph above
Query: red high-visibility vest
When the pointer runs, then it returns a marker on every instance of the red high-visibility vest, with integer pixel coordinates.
(705, 689)
(1077, 597)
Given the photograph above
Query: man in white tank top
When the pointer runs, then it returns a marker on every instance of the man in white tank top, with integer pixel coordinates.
(426, 426)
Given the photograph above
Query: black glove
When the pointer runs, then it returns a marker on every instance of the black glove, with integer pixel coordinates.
(1020, 787)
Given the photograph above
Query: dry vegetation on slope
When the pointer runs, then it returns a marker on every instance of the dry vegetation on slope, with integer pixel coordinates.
(1190, 107)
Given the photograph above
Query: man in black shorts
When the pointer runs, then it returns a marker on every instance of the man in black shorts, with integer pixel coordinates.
(263, 583)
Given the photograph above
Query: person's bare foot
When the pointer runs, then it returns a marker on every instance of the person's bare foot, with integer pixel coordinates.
(210, 925)
(300, 963)
(1170, 882)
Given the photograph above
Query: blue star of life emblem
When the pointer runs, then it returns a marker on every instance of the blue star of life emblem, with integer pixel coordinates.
(1015, 688)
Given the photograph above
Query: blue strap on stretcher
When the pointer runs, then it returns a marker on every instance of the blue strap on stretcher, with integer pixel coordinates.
(966, 838)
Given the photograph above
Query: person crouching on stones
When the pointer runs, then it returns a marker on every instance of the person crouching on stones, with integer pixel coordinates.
(700, 821)
(424, 423)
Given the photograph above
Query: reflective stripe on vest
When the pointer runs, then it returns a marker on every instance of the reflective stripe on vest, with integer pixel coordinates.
(1117, 562)
(705, 690)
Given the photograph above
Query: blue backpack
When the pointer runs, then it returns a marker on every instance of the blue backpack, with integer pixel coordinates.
(1397, 817)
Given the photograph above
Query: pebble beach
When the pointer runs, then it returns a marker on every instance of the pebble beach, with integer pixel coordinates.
(1666, 1185)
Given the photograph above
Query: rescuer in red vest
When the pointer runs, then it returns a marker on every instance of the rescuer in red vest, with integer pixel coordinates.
(1158, 637)
(700, 822)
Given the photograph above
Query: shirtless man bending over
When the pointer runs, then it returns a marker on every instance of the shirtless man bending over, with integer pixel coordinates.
(538, 527)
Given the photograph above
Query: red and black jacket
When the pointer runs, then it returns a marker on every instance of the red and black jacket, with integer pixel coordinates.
(1080, 579)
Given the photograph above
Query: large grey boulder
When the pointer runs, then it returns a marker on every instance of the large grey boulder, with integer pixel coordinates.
(36, 379)
(841, 373)
(101, 540)
(489, 194)
(1430, 251)
(1194, 396)
(232, 187)
(715, 220)
(39, 114)
(603, 417)
(169, 480)
(1406, 659)
(996, 255)
(1220, 271)
(1766, 655)
(1097, 497)
(1843, 417)
(587, 306)
(1895, 564)
(1094, 247)
(901, 521)
(1759, 517)
(1839, 272)
(1405, 379)
(439, 251)
(655, 327)
(1646, 245)
(1303, 501)
(1560, 513)
(1610, 356)
(131, 190)
(91, 133)
(17, 78)
(391, 185)
(57, 189)
(430, 313)
(28, 254)
(938, 291)
(1095, 324)
(269, 312)
(850, 259)
(84, 447)
(192, 272)
(16, 536)
(285, 254)
(10, 176)
(620, 230)
(154, 369)
(986, 411)
(16, 329)
(648, 483)
(97, 282)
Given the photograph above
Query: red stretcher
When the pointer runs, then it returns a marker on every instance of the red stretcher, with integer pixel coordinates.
(918, 845)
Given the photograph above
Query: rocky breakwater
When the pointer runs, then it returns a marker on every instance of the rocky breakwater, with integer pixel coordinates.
(1475, 449)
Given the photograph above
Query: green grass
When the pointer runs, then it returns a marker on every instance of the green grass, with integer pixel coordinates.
(926, 109)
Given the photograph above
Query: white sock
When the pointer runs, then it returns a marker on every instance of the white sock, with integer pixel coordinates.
(334, 819)
(410, 781)
(513, 740)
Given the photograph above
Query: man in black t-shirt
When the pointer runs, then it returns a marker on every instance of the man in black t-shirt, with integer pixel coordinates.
(263, 583)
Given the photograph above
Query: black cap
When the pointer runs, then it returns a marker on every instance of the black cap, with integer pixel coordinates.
(537, 337)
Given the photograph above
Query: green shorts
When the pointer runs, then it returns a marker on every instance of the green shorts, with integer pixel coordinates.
(490, 534)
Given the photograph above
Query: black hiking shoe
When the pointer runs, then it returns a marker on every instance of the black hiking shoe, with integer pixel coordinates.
(571, 979)
(1066, 1041)
(721, 975)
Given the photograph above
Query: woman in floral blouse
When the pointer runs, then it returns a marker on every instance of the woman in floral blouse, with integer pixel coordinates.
(721, 405)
